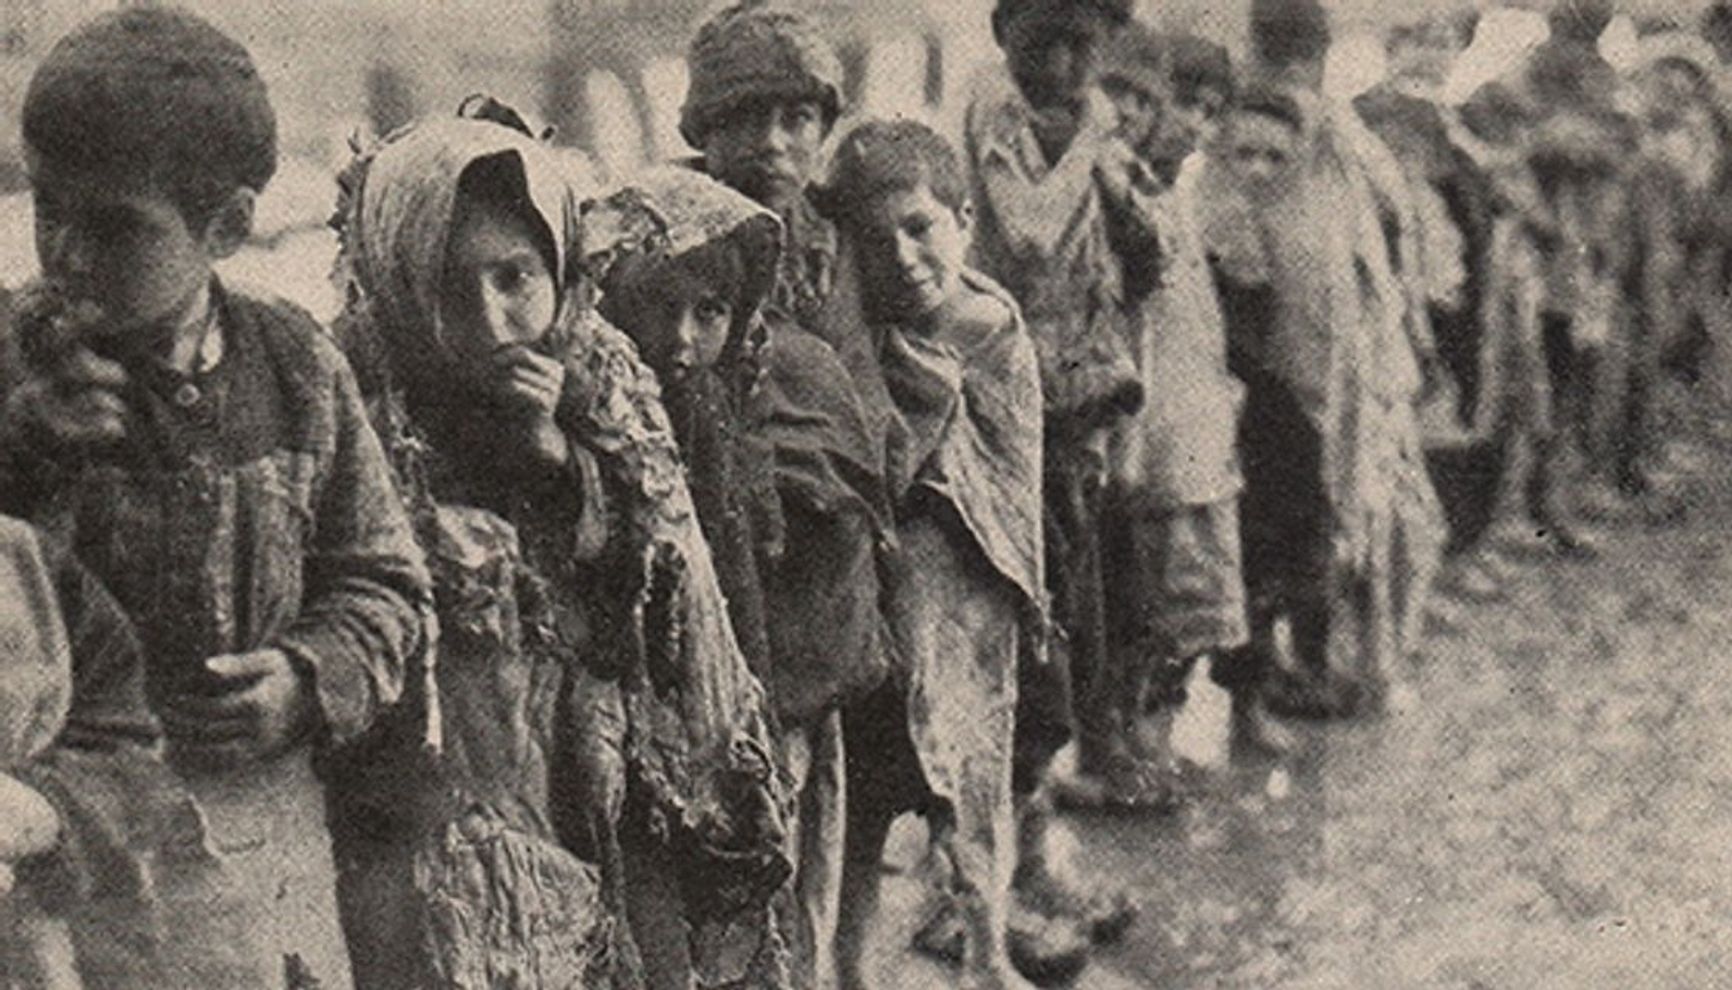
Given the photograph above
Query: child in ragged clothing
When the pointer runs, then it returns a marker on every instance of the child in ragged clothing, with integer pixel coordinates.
(593, 702)
(786, 486)
(206, 455)
(964, 604)
(1037, 133)
(1175, 591)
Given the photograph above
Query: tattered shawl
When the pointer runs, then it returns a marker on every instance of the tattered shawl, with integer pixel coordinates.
(696, 739)
(803, 433)
(973, 431)
(1341, 339)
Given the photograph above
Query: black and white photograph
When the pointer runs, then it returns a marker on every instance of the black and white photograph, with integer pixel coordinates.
(865, 494)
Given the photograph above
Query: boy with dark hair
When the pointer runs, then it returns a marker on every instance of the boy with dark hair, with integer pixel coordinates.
(1038, 133)
(206, 455)
(965, 605)
(764, 95)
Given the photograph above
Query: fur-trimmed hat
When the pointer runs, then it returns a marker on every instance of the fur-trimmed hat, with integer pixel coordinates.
(757, 50)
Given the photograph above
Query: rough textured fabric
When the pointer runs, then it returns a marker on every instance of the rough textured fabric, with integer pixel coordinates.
(36, 686)
(966, 603)
(803, 417)
(631, 707)
(808, 581)
(1178, 450)
(80, 732)
(974, 437)
(1339, 341)
(1176, 588)
(260, 515)
(822, 588)
(1042, 235)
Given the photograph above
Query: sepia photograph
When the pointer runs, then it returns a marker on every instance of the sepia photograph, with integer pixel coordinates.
(865, 494)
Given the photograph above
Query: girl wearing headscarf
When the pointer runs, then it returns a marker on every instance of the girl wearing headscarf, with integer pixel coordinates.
(588, 687)
(783, 472)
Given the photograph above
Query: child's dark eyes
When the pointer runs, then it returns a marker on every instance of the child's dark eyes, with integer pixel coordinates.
(711, 310)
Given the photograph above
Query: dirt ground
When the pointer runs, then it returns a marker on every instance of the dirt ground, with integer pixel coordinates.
(1549, 806)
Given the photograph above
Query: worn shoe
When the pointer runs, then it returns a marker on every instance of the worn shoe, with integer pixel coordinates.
(1047, 951)
(1317, 696)
(1105, 916)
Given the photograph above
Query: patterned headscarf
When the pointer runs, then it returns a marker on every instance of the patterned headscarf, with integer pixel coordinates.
(682, 211)
(401, 201)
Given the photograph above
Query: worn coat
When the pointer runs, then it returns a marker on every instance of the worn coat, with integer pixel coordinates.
(250, 507)
(588, 682)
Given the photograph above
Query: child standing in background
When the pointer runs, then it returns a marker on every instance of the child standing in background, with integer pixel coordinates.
(1037, 134)
(1176, 588)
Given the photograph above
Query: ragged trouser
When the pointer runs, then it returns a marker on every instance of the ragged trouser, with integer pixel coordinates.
(812, 755)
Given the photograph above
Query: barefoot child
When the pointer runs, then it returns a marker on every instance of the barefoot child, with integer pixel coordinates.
(206, 455)
(964, 607)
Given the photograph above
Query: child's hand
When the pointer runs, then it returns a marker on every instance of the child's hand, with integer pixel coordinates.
(77, 405)
(29, 825)
(531, 383)
(1116, 169)
(258, 706)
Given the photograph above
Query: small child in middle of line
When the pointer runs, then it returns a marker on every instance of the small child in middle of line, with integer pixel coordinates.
(963, 603)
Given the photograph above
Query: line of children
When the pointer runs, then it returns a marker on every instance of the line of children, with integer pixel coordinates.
(664, 543)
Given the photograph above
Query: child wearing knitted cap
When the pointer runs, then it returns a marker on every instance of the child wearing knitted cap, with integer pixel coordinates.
(207, 454)
(964, 608)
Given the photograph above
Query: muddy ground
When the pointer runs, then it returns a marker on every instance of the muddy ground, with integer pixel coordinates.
(1550, 806)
